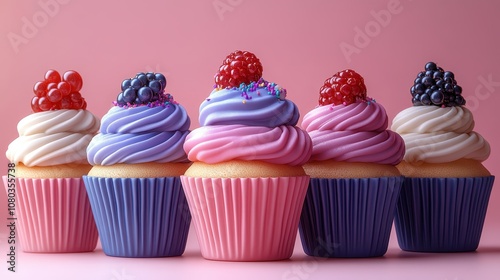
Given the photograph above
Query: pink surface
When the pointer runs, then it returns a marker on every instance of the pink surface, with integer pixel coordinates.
(54, 216)
(245, 219)
(300, 43)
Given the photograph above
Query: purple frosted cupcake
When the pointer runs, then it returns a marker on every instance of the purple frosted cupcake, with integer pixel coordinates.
(354, 186)
(134, 186)
(446, 191)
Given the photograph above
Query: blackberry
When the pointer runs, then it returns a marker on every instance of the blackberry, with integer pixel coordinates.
(437, 87)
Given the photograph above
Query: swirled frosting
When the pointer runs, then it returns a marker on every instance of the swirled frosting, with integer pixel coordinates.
(219, 143)
(140, 134)
(353, 133)
(258, 104)
(440, 134)
(53, 137)
(254, 122)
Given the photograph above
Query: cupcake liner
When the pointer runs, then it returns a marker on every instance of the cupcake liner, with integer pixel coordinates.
(140, 217)
(246, 219)
(442, 214)
(348, 218)
(54, 216)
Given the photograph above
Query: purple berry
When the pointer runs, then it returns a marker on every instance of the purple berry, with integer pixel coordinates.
(126, 84)
(136, 84)
(144, 94)
(129, 95)
(159, 77)
(142, 77)
(430, 66)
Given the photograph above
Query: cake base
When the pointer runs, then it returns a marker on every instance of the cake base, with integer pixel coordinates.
(139, 170)
(336, 169)
(455, 169)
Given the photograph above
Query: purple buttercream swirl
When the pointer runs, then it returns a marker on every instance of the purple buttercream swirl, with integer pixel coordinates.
(255, 105)
(140, 134)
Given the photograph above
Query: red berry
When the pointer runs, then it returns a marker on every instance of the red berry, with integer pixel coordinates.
(40, 88)
(34, 104)
(238, 67)
(344, 87)
(64, 88)
(75, 96)
(51, 86)
(54, 95)
(44, 104)
(65, 103)
(84, 105)
(74, 79)
(52, 76)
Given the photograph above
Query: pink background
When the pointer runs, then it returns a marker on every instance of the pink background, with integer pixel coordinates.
(299, 44)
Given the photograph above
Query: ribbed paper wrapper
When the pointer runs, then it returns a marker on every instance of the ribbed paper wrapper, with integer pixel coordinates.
(140, 217)
(53, 215)
(246, 219)
(442, 214)
(349, 218)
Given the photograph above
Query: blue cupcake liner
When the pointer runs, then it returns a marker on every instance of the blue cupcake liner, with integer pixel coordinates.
(348, 218)
(140, 217)
(442, 214)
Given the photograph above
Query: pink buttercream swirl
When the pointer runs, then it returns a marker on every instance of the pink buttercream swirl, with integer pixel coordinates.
(219, 143)
(353, 133)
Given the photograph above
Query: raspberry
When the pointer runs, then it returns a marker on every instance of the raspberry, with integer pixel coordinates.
(344, 87)
(239, 67)
(53, 93)
(436, 87)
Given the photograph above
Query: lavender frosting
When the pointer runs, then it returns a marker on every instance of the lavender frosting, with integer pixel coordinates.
(258, 104)
(140, 134)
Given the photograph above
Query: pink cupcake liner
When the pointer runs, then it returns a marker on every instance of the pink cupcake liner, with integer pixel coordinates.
(54, 216)
(246, 219)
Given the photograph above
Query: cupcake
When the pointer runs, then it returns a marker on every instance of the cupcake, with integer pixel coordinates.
(446, 190)
(134, 188)
(354, 186)
(51, 204)
(246, 185)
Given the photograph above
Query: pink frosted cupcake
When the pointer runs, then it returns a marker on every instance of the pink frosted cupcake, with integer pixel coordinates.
(52, 207)
(246, 186)
(354, 186)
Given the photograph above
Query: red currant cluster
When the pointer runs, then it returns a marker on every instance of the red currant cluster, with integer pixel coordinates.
(344, 87)
(237, 68)
(54, 92)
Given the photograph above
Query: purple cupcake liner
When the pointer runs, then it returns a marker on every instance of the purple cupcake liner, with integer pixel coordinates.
(348, 218)
(140, 217)
(442, 214)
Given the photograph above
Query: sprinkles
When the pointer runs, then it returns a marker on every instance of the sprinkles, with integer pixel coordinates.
(271, 88)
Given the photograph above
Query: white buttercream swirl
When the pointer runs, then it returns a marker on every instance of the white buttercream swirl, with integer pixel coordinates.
(439, 134)
(53, 138)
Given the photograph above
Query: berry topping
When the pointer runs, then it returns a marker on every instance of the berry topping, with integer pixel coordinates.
(144, 89)
(344, 87)
(54, 93)
(437, 87)
(239, 67)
